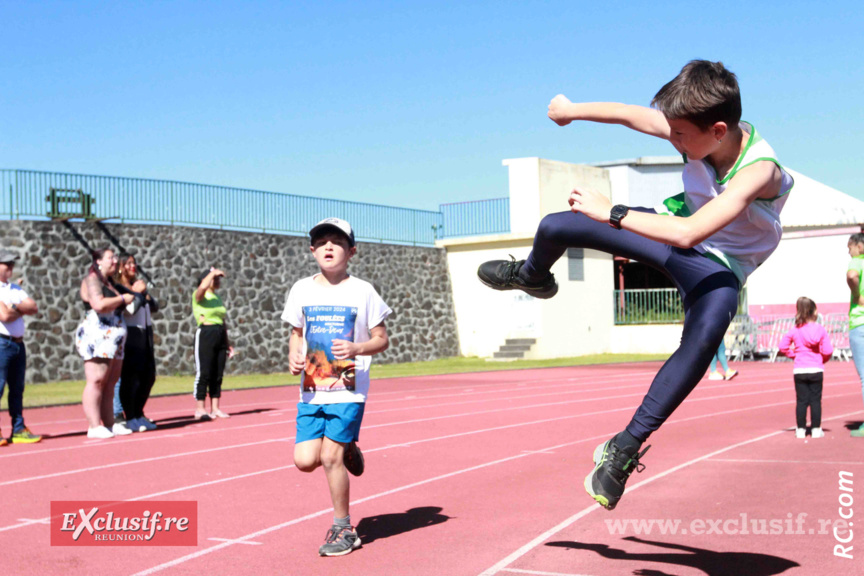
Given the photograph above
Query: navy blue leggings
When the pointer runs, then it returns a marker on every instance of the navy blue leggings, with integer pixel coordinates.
(709, 291)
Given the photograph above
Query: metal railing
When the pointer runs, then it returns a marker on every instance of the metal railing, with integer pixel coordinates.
(759, 336)
(476, 217)
(656, 306)
(648, 306)
(26, 194)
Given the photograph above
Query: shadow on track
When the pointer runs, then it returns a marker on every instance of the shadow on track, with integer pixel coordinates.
(711, 562)
(386, 525)
(163, 424)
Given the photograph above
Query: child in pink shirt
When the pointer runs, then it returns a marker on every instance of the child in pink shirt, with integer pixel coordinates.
(809, 345)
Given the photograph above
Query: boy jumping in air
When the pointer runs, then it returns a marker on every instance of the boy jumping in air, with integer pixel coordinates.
(337, 325)
(707, 239)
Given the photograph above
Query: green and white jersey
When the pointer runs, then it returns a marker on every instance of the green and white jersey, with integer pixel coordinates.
(856, 311)
(748, 240)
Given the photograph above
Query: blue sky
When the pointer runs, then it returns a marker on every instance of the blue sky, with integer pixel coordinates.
(403, 103)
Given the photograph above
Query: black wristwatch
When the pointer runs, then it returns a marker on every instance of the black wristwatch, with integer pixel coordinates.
(619, 211)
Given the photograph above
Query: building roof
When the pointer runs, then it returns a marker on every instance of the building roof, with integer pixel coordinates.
(811, 204)
(642, 161)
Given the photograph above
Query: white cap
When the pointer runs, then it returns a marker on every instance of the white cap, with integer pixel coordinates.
(337, 224)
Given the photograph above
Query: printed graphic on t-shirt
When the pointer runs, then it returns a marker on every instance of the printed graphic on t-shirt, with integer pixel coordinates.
(323, 325)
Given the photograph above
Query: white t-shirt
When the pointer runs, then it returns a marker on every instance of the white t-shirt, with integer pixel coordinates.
(345, 311)
(11, 293)
(746, 242)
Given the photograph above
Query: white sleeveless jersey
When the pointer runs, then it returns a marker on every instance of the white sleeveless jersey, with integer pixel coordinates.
(748, 240)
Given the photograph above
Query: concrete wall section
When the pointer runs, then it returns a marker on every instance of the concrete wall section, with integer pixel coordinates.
(646, 339)
(558, 179)
(579, 319)
(486, 317)
(524, 178)
(576, 321)
(260, 269)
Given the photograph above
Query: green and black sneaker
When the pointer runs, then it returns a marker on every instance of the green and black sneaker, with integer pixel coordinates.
(612, 467)
(504, 275)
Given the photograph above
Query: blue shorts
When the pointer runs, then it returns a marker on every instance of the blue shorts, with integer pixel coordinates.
(338, 422)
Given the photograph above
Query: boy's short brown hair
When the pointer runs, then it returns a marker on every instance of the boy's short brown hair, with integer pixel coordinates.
(703, 93)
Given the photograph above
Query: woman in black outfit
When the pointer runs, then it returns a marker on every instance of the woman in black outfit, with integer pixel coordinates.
(139, 360)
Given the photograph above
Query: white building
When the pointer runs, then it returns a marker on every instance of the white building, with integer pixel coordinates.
(810, 261)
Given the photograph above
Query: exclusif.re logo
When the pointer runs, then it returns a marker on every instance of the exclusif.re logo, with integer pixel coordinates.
(96, 523)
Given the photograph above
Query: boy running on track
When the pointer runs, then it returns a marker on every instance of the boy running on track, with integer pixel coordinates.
(707, 239)
(337, 325)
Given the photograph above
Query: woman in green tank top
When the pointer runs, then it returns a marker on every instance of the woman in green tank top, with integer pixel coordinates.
(212, 347)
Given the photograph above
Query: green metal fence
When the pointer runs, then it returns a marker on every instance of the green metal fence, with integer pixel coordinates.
(656, 306)
(32, 194)
(648, 306)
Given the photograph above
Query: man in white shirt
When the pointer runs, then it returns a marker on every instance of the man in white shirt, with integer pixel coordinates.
(14, 305)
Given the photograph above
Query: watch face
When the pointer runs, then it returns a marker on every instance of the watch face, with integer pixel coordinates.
(618, 212)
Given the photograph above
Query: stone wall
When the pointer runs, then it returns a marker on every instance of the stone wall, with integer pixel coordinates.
(260, 269)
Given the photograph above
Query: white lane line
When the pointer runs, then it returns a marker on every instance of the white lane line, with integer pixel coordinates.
(494, 387)
(558, 393)
(208, 428)
(504, 563)
(515, 377)
(174, 412)
(218, 547)
(140, 461)
(497, 389)
(400, 423)
(211, 428)
(755, 461)
(538, 573)
(28, 522)
(410, 444)
(230, 541)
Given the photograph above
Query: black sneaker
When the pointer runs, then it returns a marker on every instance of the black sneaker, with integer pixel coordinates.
(353, 459)
(504, 275)
(340, 540)
(612, 467)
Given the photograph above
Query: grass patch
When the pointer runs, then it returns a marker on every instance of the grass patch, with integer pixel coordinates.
(69, 391)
